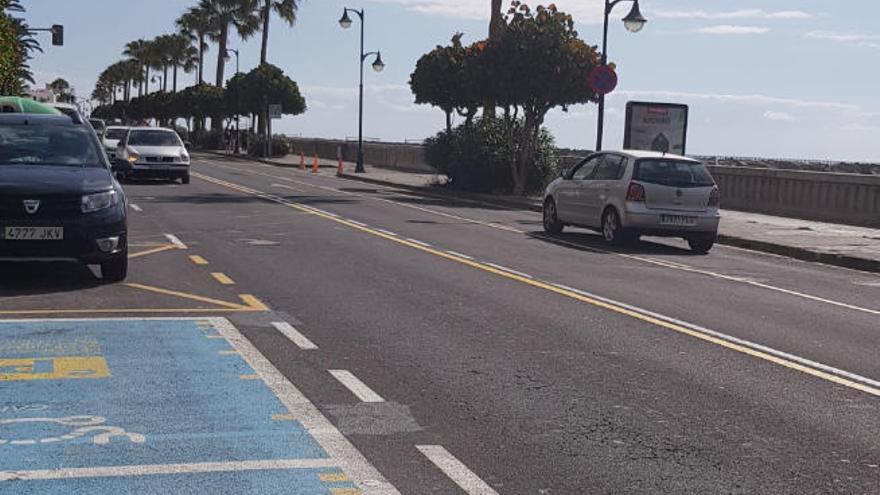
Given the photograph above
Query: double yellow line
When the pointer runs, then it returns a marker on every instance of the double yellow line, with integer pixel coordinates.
(610, 306)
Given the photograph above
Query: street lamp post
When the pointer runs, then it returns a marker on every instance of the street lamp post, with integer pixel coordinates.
(378, 65)
(237, 127)
(634, 22)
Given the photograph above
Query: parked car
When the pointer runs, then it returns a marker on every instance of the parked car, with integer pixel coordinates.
(99, 126)
(152, 152)
(58, 197)
(111, 138)
(625, 194)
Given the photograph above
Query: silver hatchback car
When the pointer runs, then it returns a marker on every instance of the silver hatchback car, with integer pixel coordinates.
(625, 194)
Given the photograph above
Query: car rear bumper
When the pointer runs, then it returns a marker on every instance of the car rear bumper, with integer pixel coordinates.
(80, 241)
(650, 221)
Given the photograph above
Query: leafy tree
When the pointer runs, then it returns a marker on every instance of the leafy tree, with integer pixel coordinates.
(538, 63)
(252, 92)
(197, 24)
(179, 53)
(286, 10)
(62, 88)
(449, 78)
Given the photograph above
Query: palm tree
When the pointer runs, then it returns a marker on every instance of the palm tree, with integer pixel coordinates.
(181, 54)
(240, 14)
(197, 24)
(130, 72)
(495, 19)
(139, 50)
(286, 10)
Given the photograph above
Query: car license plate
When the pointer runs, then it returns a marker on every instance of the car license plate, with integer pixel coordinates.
(33, 233)
(678, 220)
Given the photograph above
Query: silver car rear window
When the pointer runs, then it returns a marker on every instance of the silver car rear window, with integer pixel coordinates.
(153, 138)
(676, 173)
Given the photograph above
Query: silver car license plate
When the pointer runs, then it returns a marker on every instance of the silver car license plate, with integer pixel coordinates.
(678, 220)
(33, 233)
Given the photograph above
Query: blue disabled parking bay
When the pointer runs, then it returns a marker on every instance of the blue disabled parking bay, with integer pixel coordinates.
(146, 406)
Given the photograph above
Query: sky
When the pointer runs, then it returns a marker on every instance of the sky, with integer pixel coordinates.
(768, 78)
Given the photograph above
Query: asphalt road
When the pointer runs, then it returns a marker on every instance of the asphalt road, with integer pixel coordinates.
(472, 354)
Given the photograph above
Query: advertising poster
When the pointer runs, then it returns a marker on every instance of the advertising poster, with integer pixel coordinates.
(656, 127)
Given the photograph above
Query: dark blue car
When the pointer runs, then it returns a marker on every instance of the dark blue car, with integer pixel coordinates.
(58, 197)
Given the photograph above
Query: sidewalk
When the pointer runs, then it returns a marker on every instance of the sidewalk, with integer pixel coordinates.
(841, 245)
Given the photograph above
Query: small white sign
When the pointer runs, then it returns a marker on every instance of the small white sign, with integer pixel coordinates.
(274, 111)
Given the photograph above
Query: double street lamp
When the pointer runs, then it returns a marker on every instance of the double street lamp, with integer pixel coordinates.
(237, 127)
(634, 22)
(378, 65)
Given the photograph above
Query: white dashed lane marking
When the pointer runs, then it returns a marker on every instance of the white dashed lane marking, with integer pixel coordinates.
(357, 387)
(293, 334)
(456, 470)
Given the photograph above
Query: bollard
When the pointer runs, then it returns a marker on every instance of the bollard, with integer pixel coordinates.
(315, 165)
(302, 160)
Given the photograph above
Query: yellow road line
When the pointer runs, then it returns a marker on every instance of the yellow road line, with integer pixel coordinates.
(251, 376)
(252, 303)
(160, 249)
(186, 295)
(198, 260)
(333, 477)
(655, 261)
(563, 292)
(25, 312)
(222, 278)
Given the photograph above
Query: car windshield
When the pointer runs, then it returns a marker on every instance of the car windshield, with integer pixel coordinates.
(676, 173)
(115, 133)
(60, 145)
(153, 138)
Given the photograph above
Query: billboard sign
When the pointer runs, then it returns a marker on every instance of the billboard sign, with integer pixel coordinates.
(656, 127)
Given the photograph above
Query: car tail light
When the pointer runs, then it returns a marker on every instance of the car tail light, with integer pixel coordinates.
(636, 192)
(715, 197)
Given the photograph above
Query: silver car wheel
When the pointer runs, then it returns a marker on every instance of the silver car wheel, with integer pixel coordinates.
(609, 226)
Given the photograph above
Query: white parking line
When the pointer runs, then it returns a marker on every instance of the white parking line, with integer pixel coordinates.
(510, 270)
(357, 387)
(293, 334)
(174, 240)
(416, 241)
(456, 470)
(338, 448)
(153, 469)
(356, 222)
(456, 253)
(135, 207)
(387, 232)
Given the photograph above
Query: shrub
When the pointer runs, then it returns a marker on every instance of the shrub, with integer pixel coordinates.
(281, 146)
(478, 157)
(210, 139)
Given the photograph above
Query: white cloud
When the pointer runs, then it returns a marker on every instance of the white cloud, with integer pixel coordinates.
(779, 116)
(726, 29)
(856, 39)
(734, 14)
(745, 98)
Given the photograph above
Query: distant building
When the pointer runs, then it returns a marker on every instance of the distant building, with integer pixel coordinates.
(43, 95)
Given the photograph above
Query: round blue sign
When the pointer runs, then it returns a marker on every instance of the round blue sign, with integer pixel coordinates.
(602, 79)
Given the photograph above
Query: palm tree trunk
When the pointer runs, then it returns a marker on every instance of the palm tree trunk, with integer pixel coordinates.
(221, 54)
(165, 78)
(267, 10)
(201, 58)
(147, 80)
(175, 79)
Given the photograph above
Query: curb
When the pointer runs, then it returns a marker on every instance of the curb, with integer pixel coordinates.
(845, 261)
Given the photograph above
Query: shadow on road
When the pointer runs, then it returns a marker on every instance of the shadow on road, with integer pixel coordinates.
(594, 243)
(28, 279)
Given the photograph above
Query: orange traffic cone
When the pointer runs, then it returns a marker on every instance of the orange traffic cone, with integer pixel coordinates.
(302, 160)
(315, 164)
